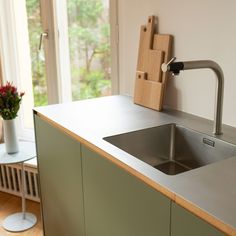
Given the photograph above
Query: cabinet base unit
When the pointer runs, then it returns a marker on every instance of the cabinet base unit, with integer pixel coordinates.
(60, 177)
(119, 204)
(184, 223)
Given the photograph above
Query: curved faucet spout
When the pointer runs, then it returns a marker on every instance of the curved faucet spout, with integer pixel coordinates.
(176, 67)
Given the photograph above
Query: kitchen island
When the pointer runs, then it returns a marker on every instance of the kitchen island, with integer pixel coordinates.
(91, 187)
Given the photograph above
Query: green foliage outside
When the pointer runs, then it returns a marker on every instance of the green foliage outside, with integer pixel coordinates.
(89, 42)
(89, 35)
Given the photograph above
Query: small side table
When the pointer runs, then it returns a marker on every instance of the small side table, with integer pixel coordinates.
(23, 220)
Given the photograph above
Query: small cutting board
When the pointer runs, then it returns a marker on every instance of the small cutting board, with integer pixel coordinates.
(163, 42)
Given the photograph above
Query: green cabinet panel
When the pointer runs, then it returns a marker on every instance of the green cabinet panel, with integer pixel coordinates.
(184, 223)
(118, 204)
(60, 175)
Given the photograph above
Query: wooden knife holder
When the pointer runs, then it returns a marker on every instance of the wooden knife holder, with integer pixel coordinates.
(150, 81)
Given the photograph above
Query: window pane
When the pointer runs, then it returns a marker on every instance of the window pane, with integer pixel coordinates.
(37, 57)
(89, 42)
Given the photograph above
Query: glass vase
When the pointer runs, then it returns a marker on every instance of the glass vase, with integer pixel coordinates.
(10, 136)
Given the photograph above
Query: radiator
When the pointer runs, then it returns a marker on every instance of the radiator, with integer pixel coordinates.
(10, 180)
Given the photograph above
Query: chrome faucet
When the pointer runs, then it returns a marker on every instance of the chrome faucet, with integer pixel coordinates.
(176, 67)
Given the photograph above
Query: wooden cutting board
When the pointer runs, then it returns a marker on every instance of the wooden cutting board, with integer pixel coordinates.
(154, 49)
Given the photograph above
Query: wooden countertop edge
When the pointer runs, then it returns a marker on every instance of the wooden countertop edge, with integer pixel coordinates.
(227, 229)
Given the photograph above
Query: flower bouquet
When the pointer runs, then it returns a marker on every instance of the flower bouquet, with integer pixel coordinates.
(10, 101)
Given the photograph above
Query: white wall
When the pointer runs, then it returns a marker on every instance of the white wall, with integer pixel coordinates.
(203, 29)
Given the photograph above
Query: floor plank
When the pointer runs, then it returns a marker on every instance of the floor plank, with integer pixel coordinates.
(10, 204)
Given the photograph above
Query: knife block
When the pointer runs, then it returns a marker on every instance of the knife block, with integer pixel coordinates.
(150, 81)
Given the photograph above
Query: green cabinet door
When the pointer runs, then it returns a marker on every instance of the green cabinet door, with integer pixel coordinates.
(184, 223)
(118, 204)
(60, 175)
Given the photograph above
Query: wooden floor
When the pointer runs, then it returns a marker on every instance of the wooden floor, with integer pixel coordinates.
(10, 204)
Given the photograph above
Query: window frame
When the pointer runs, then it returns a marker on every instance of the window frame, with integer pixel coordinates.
(114, 28)
(56, 48)
(56, 59)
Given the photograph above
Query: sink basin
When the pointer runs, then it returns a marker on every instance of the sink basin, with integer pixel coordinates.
(172, 148)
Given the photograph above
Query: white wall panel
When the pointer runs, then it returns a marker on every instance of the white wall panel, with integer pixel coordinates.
(202, 29)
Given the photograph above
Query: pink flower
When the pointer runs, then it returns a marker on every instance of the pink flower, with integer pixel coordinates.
(10, 101)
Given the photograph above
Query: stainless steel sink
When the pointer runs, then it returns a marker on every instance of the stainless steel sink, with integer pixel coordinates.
(172, 148)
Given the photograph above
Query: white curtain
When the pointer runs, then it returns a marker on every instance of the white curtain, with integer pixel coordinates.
(1, 126)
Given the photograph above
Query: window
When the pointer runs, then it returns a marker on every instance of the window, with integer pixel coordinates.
(89, 44)
(77, 61)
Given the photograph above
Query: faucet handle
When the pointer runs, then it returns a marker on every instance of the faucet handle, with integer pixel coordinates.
(165, 66)
(171, 60)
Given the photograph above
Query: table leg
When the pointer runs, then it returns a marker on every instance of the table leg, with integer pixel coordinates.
(23, 189)
(23, 220)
